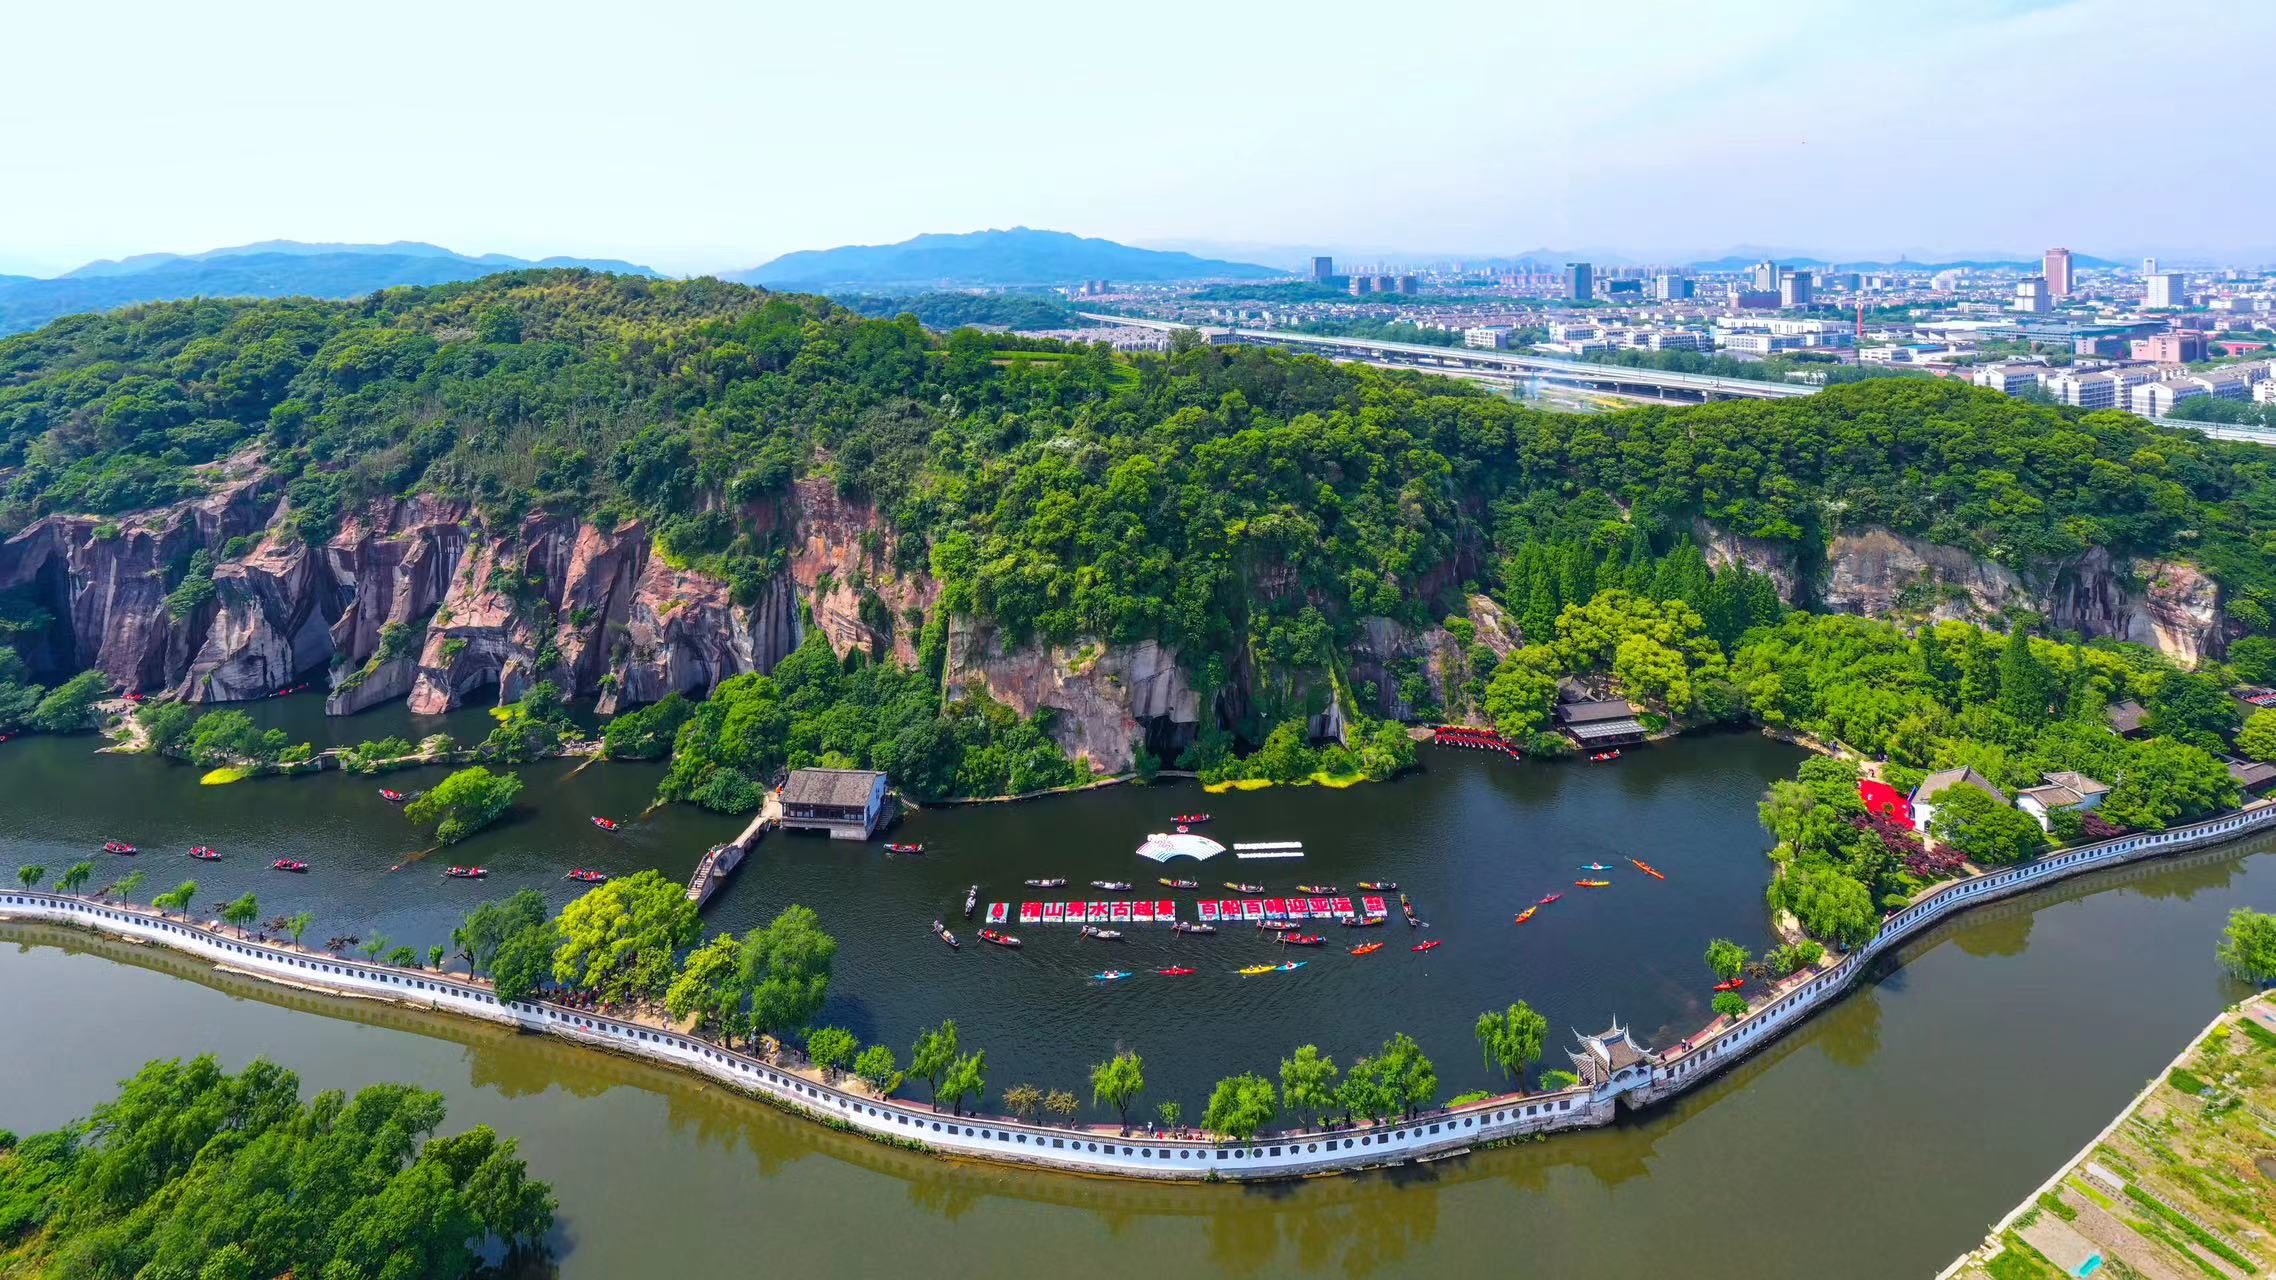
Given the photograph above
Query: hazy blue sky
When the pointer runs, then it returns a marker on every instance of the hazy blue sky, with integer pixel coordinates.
(712, 135)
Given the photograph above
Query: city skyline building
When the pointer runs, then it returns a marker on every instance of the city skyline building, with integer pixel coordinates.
(2057, 269)
(1580, 281)
(2163, 289)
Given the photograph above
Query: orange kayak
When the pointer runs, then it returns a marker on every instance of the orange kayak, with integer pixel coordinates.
(1647, 868)
(1367, 949)
(1526, 914)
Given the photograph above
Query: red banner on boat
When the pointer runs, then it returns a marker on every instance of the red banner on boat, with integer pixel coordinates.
(1030, 912)
(1276, 907)
(1053, 912)
(1207, 910)
(1141, 912)
(1165, 910)
(999, 912)
(1251, 909)
(1374, 906)
(1102, 912)
(1343, 906)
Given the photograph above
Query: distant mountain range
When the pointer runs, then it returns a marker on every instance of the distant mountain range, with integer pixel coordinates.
(1005, 257)
(271, 269)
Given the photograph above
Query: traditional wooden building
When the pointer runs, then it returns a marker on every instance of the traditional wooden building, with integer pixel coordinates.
(2127, 718)
(1597, 724)
(2063, 789)
(2253, 776)
(846, 803)
(1611, 1058)
(1924, 795)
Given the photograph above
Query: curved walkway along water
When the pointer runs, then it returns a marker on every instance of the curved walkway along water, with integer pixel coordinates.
(1102, 1150)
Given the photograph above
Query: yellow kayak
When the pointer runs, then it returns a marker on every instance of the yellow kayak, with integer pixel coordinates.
(1260, 968)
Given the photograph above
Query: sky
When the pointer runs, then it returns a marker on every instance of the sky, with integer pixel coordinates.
(699, 135)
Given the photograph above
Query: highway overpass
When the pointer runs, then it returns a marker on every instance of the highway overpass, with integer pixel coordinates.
(1659, 385)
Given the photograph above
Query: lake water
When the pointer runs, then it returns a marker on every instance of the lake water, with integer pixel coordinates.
(1877, 1141)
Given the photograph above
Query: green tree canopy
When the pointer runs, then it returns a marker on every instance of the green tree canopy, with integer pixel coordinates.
(187, 1169)
(1988, 830)
(621, 939)
(2248, 945)
(1117, 1082)
(464, 803)
(1308, 1082)
(1240, 1106)
(1513, 1039)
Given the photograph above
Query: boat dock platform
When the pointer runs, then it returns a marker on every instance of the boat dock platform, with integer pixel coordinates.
(720, 859)
(1270, 849)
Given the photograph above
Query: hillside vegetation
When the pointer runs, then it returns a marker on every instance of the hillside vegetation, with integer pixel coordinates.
(1247, 506)
(1085, 493)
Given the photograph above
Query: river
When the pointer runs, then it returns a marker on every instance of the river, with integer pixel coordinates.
(1878, 1140)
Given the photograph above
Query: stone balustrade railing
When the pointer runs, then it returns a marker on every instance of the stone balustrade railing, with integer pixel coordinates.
(1103, 1150)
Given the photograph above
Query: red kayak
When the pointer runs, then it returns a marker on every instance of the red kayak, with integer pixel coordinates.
(1190, 818)
(1427, 946)
(287, 864)
(605, 824)
(119, 846)
(904, 848)
(392, 796)
(582, 876)
(1177, 972)
(1549, 899)
(1730, 984)
(203, 854)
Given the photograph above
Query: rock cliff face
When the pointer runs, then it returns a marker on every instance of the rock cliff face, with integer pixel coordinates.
(1105, 702)
(2168, 604)
(105, 580)
(1388, 656)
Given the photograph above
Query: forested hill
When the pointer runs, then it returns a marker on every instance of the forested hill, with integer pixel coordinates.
(1239, 502)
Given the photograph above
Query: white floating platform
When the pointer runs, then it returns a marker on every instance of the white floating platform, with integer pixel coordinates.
(1163, 846)
(1270, 849)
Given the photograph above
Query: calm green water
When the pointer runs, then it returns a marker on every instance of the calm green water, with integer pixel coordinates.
(1473, 839)
(1877, 1141)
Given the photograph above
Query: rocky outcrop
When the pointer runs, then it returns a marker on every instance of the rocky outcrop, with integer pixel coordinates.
(392, 564)
(841, 559)
(2169, 605)
(1105, 702)
(1878, 573)
(1386, 652)
(271, 621)
(679, 634)
(105, 580)
(1763, 555)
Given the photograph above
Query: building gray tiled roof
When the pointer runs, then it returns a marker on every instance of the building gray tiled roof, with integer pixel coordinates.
(1944, 778)
(830, 788)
